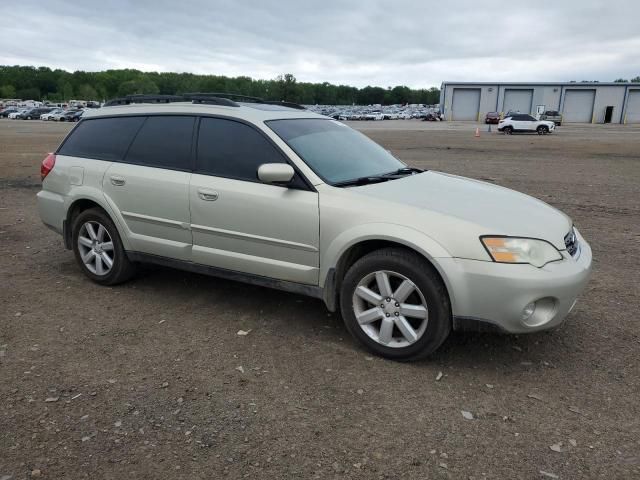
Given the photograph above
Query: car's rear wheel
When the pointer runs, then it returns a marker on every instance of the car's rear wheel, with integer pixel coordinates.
(542, 130)
(508, 130)
(394, 303)
(98, 248)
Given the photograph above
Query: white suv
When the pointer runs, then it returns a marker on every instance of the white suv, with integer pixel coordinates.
(520, 122)
(277, 196)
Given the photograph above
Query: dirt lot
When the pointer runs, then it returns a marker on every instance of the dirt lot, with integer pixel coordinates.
(144, 381)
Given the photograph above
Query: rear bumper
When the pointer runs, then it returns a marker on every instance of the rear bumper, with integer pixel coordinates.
(51, 207)
(497, 294)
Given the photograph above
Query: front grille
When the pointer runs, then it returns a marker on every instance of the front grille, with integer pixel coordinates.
(571, 242)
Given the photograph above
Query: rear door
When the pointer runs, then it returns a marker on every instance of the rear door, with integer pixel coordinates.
(241, 224)
(150, 188)
(529, 123)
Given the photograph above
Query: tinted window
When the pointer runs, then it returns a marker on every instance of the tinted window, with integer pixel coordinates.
(102, 138)
(233, 149)
(163, 142)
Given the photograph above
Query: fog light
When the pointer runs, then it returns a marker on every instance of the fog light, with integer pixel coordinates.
(528, 310)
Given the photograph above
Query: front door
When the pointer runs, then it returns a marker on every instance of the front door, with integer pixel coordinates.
(241, 224)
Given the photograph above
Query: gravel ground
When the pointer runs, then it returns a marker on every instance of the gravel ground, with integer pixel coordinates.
(152, 380)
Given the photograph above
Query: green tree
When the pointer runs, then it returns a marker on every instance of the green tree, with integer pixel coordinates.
(141, 85)
(287, 88)
(32, 82)
(32, 93)
(87, 92)
(8, 91)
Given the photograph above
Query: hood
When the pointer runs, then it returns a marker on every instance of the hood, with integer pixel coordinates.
(492, 209)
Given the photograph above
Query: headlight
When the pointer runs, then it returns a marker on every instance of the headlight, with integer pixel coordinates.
(521, 250)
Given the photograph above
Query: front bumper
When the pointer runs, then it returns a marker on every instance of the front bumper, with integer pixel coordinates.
(497, 293)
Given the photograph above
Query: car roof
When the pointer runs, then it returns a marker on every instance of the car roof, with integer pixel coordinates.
(252, 112)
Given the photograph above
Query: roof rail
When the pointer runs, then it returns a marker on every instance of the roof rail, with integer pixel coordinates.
(297, 106)
(224, 99)
(238, 97)
(126, 100)
(195, 98)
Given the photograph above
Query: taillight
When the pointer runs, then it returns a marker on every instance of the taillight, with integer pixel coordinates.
(47, 165)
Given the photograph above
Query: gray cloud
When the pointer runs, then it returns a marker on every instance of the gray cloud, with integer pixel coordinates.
(357, 42)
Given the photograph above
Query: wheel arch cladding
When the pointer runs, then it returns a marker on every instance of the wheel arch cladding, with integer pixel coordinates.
(79, 205)
(359, 249)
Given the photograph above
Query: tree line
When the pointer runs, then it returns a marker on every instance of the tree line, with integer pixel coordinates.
(43, 83)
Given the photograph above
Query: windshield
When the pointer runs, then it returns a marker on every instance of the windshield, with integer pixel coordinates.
(334, 151)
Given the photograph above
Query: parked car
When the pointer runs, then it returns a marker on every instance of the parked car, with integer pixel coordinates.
(33, 113)
(49, 115)
(406, 255)
(552, 116)
(72, 116)
(492, 117)
(62, 116)
(7, 111)
(375, 115)
(525, 123)
(17, 113)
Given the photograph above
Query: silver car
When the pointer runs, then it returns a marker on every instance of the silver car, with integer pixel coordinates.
(275, 195)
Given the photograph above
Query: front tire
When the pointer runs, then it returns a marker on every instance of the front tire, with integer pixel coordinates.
(507, 130)
(395, 304)
(542, 130)
(98, 248)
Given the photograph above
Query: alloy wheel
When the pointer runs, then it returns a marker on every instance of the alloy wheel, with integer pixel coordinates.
(390, 309)
(96, 248)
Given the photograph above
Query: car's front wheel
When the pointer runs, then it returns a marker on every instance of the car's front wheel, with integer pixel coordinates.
(98, 248)
(395, 304)
(507, 130)
(542, 130)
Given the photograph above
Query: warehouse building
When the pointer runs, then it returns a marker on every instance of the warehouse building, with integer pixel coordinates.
(577, 102)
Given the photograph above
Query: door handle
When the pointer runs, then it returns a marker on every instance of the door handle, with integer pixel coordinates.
(208, 195)
(117, 181)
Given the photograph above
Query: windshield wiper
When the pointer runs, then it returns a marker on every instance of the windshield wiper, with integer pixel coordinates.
(404, 171)
(379, 178)
(363, 181)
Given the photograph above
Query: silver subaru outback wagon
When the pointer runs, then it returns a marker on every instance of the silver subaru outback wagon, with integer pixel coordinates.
(281, 197)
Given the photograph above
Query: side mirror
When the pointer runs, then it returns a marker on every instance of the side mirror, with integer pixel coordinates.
(277, 173)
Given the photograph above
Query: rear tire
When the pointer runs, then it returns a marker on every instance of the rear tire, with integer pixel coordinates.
(413, 317)
(98, 248)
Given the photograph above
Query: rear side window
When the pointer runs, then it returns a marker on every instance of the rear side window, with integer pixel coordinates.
(233, 150)
(163, 142)
(102, 138)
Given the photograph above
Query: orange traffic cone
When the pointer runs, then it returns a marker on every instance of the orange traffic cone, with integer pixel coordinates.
(477, 132)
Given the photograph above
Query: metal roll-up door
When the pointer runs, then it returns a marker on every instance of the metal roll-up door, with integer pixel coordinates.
(632, 113)
(466, 104)
(517, 100)
(578, 106)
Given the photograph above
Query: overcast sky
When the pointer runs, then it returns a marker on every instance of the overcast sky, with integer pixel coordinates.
(417, 43)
